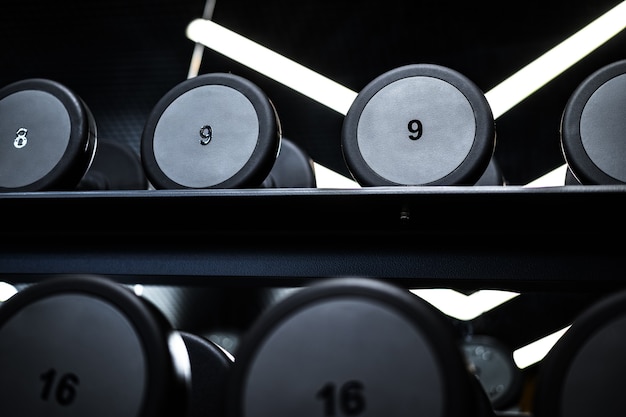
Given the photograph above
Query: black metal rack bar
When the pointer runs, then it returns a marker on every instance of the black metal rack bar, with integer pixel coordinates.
(465, 237)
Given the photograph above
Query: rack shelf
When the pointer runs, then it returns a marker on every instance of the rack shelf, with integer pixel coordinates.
(464, 237)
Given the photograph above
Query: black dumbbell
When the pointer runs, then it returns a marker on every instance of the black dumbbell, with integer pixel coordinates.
(218, 130)
(351, 347)
(420, 124)
(582, 374)
(593, 127)
(50, 143)
(493, 364)
(81, 345)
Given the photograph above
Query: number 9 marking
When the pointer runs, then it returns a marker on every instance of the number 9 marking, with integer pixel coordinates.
(415, 127)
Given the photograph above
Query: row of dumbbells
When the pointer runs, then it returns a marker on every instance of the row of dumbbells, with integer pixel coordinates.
(84, 345)
(420, 124)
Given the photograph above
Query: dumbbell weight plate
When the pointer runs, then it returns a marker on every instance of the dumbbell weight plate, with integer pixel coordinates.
(350, 346)
(115, 167)
(48, 136)
(209, 367)
(583, 373)
(495, 368)
(593, 127)
(419, 124)
(293, 168)
(84, 346)
(215, 130)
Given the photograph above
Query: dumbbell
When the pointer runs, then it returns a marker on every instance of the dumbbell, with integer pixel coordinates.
(493, 364)
(352, 346)
(420, 124)
(83, 345)
(593, 127)
(50, 143)
(582, 374)
(220, 130)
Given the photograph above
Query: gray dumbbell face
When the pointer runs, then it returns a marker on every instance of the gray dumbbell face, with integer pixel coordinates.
(582, 375)
(419, 124)
(85, 346)
(211, 131)
(593, 127)
(351, 347)
(50, 143)
(49, 136)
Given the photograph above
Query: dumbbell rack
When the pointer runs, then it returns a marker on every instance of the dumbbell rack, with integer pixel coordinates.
(465, 237)
(555, 239)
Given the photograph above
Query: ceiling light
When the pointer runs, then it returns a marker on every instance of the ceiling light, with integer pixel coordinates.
(6, 291)
(461, 306)
(536, 351)
(271, 64)
(548, 66)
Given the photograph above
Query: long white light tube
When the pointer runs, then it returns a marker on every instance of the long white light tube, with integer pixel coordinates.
(271, 64)
(501, 98)
(551, 64)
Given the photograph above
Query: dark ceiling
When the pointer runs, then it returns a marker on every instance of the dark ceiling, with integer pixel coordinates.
(122, 56)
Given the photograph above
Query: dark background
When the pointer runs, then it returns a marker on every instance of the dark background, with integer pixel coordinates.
(122, 56)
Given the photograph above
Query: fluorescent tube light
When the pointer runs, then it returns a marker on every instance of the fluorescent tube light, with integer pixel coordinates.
(339, 98)
(271, 64)
(548, 66)
(461, 306)
(554, 178)
(6, 291)
(198, 49)
(327, 178)
(536, 351)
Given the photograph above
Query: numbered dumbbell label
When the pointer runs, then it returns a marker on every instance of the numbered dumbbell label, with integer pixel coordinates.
(71, 355)
(24, 158)
(347, 399)
(20, 138)
(206, 134)
(344, 358)
(231, 113)
(383, 124)
(416, 129)
(59, 388)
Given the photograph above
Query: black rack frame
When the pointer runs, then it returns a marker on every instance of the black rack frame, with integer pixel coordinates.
(516, 238)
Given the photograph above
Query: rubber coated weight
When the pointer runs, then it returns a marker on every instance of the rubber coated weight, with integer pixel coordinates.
(293, 168)
(570, 179)
(493, 364)
(593, 127)
(85, 346)
(420, 124)
(48, 136)
(583, 373)
(216, 130)
(114, 167)
(352, 347)
(493, 175)
(209, 367)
